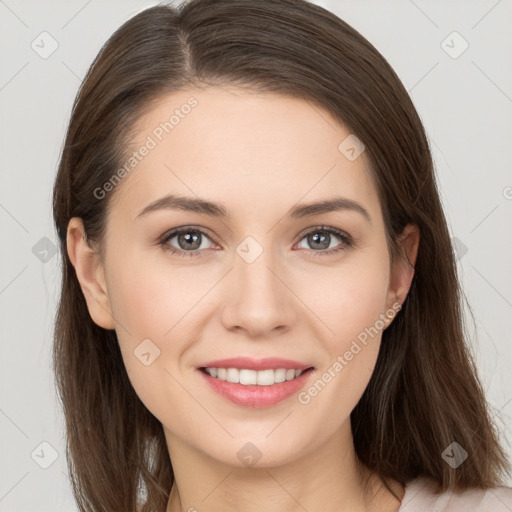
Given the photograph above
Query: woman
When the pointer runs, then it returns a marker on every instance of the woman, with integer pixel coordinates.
(260, 308)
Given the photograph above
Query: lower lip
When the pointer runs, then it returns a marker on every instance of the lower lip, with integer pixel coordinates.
(257, 396)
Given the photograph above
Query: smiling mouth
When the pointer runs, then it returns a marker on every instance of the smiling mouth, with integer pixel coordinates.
(248, 377)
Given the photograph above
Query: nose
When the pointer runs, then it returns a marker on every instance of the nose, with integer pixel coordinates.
(258, 298)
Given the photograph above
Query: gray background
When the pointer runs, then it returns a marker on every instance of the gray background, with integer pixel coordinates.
(464, 102)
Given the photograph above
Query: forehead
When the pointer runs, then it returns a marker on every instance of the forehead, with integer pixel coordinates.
(251, 151)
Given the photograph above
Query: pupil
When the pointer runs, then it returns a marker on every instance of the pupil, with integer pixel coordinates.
(189, 239)
(322, 243)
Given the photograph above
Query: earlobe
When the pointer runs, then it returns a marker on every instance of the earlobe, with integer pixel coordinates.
(90, 274)
(402, 272)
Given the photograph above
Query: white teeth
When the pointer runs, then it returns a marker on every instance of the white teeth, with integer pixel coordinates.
(248, 377)
(265, 377)
(252, 377)
(233, 375)
(290, 374)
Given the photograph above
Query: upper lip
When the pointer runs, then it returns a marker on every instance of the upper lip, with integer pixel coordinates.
(271, 363)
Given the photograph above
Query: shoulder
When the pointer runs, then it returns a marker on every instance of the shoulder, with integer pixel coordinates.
(420, 496)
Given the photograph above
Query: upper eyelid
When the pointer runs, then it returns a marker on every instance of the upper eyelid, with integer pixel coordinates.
(176, 231)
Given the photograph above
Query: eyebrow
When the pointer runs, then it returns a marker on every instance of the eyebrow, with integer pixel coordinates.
(202, 206)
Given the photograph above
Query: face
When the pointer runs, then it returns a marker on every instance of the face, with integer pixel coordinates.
(264, 280)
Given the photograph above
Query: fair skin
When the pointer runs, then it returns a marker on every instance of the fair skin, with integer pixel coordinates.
(258, 155)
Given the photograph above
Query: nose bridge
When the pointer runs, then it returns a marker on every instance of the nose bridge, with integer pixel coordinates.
(258, 298)
(253, 269)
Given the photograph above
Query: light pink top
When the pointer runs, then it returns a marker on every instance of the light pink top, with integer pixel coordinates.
(419, 497)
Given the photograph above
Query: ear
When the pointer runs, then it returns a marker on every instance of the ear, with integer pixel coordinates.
(402, 271)
(90, 274)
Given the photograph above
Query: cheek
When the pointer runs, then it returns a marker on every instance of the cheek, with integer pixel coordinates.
(350, 298)
(147, 305)
(352, 310)
(148, 299)
(351, 301)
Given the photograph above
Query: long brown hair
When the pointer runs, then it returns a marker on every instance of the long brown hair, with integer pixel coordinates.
(424, 393)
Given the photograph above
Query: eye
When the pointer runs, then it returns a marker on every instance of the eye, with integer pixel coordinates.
(321, 238)
(189, 240)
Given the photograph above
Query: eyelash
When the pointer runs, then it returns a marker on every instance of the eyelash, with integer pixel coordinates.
(347, 241)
